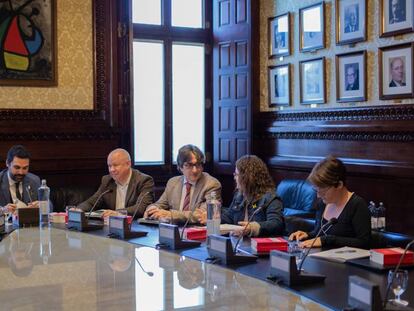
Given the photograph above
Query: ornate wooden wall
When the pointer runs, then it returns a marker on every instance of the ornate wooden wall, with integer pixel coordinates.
(70, 146)
(375, 143)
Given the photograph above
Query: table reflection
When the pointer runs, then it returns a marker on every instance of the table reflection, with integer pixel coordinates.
(52, 269)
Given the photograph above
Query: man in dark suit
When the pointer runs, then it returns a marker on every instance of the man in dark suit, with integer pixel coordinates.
(351, 16)
(397, 72)
(352, 81)
(126, 188)
(17, 184)
(397, 11)
(185, 196)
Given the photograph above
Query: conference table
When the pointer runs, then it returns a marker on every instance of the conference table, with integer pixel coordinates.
(51, 268)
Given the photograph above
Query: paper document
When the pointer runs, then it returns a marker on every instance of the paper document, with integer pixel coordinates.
(342, 254)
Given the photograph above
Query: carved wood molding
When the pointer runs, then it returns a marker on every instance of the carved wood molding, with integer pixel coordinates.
(401, 112)
(350, 136)
(37, 136)
(100, 91)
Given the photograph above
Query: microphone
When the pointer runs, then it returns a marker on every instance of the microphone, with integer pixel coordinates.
(248, 222)
(387, 291)
(96, 202)
(28, 190)
(332, 221)
(140, 198)
(149, 273)
(187, 221)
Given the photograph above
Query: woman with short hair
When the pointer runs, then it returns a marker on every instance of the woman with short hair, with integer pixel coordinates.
(353, 227)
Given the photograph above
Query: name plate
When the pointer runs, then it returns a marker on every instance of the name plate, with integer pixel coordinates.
(363, 294)
(220, 247)
(169, 236)
(167, 231)
(28, 216)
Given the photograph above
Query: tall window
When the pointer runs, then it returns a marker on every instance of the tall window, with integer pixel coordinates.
(170, 40)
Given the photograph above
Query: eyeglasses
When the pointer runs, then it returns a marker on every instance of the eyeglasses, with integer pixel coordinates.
(197, 165)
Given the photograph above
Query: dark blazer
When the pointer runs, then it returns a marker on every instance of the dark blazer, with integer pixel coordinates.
(31, 183)
(270, 218)
(139, 183)
(393, 84)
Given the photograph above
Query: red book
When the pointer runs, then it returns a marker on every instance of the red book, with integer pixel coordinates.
(264, 245)
(195, 233)
(391, 256)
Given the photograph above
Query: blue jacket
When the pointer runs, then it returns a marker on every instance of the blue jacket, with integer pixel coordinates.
(270, 217)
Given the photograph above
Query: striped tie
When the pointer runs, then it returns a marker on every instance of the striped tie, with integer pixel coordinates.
(186, 204)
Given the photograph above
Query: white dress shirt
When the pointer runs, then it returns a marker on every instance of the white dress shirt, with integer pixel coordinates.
(121, 192)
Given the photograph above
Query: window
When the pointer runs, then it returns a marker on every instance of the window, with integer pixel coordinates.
(170, 41)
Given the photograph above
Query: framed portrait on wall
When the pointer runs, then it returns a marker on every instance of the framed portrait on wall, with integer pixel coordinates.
(351, 76)
(396, 17)
(279, 35)
(279, 85)
(396, 71)
(351, 16)
(312, 81)
(312, 27)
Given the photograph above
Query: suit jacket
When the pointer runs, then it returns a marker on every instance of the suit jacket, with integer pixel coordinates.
(139, 183)
(29, 180)
(352, 87)
(393, 84)
(269, 218)
(171, 198)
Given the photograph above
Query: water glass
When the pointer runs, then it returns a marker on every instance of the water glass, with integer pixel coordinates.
(398, 282)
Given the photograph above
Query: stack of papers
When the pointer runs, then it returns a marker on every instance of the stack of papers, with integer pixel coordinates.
(342, 254)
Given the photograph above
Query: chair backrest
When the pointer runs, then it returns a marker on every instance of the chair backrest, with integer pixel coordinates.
(381, 239)
(298, 197)
(71, 195)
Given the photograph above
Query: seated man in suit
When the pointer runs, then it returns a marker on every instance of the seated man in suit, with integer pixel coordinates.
(123, 188)
(185, 196)
(17, 184)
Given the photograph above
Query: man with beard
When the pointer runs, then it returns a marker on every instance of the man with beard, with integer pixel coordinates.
(16, 183)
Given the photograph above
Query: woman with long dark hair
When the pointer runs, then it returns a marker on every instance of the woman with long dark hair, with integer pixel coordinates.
(255, 205)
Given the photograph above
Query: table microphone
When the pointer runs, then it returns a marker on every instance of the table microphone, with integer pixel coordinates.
(149, 273)
(96, 202)
(28, 190)
(140, 197)
(331, 221)
(395, 270)
(187, 221)
(248, 222)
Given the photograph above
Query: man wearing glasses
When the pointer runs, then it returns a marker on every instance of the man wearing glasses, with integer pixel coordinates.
(185, 196)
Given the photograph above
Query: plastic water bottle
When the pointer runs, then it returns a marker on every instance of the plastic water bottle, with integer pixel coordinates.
(374, 215)
(213, 214)
(381, 216)
(44, 207)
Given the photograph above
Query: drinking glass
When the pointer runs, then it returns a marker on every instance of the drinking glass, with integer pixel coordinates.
(398, 284)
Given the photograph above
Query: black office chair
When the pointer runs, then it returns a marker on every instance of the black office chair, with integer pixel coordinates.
(381, 239)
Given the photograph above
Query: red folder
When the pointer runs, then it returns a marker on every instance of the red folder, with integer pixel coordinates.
(390, 256)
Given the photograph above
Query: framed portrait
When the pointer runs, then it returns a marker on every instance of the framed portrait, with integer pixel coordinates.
(396, 17)
(279, 35)
(312, 27)
(28, 43)
(312, 81)
(396, 71)
(351, 76)
(279, 85)
(351, 16)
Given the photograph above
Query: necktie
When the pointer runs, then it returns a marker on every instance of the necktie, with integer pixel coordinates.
(18, 194)
(186, 204)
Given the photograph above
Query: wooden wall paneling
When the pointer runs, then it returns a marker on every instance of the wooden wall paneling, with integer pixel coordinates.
(70, 146)
(231, 82)
(375, 143)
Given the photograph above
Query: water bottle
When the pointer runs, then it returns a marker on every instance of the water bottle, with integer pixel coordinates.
(381, 216)
(44, 208)
(213, 214)
(374, 215)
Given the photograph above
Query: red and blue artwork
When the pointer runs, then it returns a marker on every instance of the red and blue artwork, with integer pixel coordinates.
(22, 40)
